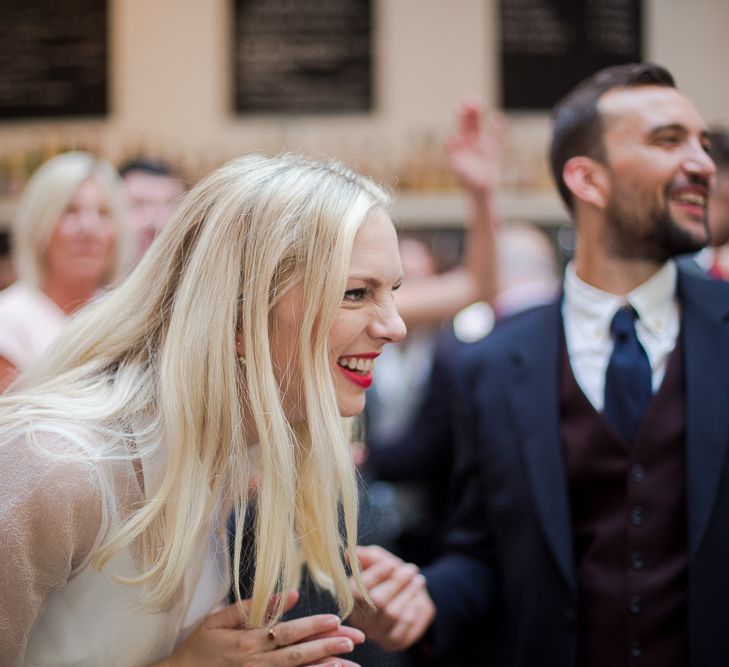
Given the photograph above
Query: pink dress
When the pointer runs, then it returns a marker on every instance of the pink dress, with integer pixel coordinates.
(29, 323)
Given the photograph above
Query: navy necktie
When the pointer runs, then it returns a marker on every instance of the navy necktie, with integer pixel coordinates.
(628, 381)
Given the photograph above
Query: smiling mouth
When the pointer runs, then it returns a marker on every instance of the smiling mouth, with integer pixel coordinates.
(357, 369)
(357, 364)
(689, 198)
(693, 201)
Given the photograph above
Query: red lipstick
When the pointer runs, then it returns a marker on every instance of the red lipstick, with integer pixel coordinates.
(359, 378)
(363, 380)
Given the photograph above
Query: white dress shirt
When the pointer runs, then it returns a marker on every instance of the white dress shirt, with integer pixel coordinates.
(587, 313)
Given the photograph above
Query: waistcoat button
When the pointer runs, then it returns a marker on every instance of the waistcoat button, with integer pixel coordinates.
(637, 515)
(637, 562)
(637, 473)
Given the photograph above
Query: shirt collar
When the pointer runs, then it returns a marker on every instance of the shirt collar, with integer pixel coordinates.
(653, 300)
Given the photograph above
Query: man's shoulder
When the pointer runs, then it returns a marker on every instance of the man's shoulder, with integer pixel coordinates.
(520, 329)
(689, 265)
(697, 287)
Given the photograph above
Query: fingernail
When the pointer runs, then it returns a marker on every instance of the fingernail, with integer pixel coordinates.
(345, 645)
(332, 622)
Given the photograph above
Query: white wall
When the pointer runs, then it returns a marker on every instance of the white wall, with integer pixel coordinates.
(690, 38)
(170, 76)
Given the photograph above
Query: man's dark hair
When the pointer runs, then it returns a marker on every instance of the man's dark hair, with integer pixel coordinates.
(149, 166)
(576, 123)
(719, 138)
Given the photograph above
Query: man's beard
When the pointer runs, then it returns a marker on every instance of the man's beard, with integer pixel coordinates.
(653, 235)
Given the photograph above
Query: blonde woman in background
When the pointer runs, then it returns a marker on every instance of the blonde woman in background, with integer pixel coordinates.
(253, 320)
(70, 239)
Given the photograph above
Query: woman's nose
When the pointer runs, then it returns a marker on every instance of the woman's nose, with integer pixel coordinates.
(390, 325)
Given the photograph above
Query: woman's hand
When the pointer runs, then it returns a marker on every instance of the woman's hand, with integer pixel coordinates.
(403, 610)
(222, 641)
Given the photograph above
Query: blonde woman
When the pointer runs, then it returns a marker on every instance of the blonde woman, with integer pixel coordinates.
(70, 238)
(254, 320)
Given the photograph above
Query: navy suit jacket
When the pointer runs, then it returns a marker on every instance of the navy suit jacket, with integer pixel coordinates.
(509, 580)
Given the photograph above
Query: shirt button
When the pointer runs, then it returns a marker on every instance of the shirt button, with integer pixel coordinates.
(637, 562)
(635, 648)
(637, 473)
(635, 604)
(637, 515)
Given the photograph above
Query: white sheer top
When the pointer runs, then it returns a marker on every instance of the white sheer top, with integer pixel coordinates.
(55, 608)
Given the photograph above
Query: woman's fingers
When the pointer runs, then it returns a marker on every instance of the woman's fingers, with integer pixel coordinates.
(378, 566)
(357, 636)
(379, 573)
(292, 597)
(312, 640)
(310, 652)
(372, 554)
(385, 592)
(235, 616)
(231, 616)
(399, 606)
(293, 632)
(404, 611)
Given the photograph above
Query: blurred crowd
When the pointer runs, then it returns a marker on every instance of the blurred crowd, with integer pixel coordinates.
(81, 225)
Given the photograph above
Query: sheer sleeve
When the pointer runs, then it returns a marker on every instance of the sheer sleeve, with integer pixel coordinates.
(50, 519)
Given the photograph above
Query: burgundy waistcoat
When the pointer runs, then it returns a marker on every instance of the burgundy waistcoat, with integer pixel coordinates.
(628, 503)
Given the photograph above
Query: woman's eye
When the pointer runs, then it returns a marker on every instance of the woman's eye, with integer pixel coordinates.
(356, 294)
(668, 139)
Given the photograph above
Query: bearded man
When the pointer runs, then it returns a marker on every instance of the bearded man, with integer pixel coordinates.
(593, 474)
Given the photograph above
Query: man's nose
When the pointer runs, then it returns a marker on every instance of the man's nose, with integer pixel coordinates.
(699, 162)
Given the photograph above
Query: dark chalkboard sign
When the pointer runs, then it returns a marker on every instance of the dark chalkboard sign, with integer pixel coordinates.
(53, 58)
(548, 46)
(313, 56)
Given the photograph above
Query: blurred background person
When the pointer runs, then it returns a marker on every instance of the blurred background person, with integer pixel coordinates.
(474, 156)
(715, 258)
(409, 461)
(407, 429)
(7, 271)
(528, 269)
(70, 238)
(153, 187)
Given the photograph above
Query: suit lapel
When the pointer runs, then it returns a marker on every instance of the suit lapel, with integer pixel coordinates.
(534, 401)
(705, 313)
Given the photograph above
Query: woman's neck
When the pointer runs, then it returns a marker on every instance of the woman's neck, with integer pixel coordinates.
(69, 296)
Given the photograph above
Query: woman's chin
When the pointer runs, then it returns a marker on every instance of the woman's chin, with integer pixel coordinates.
(351, 407)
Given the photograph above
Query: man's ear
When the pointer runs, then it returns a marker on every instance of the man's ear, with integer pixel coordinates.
(588, 180)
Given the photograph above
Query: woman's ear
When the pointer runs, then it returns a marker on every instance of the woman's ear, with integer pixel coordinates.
(588, 180)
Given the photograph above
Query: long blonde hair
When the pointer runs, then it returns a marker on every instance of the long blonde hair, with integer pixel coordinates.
(155, 362)
(44, 200)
